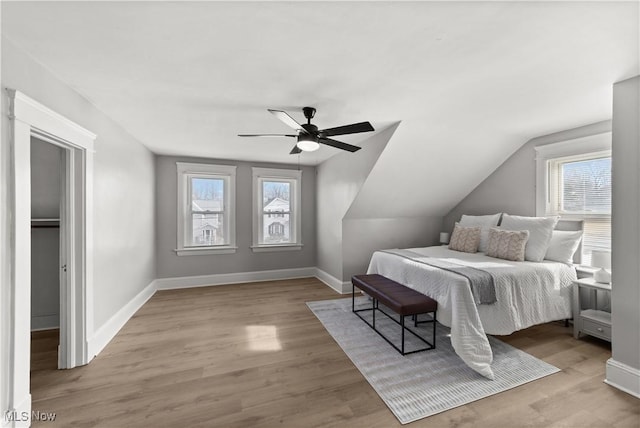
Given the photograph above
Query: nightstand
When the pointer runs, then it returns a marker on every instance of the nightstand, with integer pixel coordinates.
(590, 321)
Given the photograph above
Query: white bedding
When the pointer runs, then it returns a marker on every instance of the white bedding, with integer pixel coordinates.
(527, 293)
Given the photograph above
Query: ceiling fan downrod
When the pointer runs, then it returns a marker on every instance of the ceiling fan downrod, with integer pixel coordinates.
(309, 112)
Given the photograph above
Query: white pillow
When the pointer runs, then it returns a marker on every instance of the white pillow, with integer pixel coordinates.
(485, 222)
(563, 245)
(540, 231)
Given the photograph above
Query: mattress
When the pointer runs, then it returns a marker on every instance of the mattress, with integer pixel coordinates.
(527, 294)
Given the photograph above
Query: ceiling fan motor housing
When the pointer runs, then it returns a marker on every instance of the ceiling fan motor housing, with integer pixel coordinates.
(310, 128)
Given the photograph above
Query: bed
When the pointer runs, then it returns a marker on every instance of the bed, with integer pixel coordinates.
(526, 294)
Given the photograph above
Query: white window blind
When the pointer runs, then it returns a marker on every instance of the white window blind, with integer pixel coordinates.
(597, 236)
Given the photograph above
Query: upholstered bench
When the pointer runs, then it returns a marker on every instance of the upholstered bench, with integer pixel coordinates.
(402, 300)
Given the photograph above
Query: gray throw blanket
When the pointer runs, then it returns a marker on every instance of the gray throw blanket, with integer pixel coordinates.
(482, 285)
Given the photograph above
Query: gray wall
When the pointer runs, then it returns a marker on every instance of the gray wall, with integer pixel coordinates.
(46, 165)
(339, 180)
(625, 298)
(363, 236)
(346, 241)
(171, 265)
(123, 190)
(511, 188)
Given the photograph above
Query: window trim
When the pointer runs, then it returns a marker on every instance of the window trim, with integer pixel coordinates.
(553, 197)
(589, 146)
(577, 146)
(187, 170)
(295, 209)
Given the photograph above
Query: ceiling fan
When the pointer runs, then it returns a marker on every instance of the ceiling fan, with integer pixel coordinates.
(310, 137)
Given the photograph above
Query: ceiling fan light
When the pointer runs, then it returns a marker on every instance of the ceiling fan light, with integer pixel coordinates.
(308, 145)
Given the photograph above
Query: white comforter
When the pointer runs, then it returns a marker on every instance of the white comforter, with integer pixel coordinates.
(527, 294)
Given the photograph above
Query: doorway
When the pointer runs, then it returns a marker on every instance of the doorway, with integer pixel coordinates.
(47, 261)
(30, 119)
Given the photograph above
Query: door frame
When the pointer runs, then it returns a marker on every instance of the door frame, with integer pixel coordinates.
(28, 118)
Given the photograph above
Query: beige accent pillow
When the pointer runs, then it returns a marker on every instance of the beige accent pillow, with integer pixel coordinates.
(465, 239)
(507, 244)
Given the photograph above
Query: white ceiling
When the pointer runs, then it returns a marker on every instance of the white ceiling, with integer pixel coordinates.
(471, 82)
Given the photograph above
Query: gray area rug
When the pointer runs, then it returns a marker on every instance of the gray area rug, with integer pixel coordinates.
(425, 383)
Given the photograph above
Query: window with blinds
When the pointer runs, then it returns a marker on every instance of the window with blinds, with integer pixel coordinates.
(580, 188)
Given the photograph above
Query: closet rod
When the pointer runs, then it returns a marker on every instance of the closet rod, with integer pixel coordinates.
(45, 223)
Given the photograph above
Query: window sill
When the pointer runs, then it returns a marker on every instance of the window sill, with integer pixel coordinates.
(278, 247)
(204, 251)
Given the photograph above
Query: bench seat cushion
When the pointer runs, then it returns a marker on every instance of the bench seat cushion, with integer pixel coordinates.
(399, 298)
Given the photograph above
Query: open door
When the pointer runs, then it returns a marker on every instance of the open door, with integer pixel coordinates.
(73, 349)
(65, 205)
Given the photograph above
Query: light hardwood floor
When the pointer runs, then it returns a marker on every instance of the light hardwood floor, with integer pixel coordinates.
(208, 357)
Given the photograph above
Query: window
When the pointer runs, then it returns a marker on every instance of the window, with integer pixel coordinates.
(575, 177)
(276, 209)
(206, 210)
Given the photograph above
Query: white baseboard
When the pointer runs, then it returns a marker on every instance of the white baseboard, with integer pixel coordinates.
(20, 415)
(342, 287)
(623, 377)
(233, 278)
(108, 331)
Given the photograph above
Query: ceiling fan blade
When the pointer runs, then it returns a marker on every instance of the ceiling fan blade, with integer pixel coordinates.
(338, 144)
(283, 116)
(295, 150)
(354, 128)
(267, 135)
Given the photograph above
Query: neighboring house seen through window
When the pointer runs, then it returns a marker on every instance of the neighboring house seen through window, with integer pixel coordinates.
(276, 209)
(578, 186)
(206, 213)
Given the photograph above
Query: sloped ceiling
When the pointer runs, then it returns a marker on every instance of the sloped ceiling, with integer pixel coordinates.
(471, 82)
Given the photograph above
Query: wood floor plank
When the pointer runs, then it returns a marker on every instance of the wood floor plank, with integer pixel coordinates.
(254, 355)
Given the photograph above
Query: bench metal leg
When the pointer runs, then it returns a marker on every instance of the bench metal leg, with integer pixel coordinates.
(353, 298)
(434, 328)
(402, 328)
(375, 307)
(374, 313)
(433, 320)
